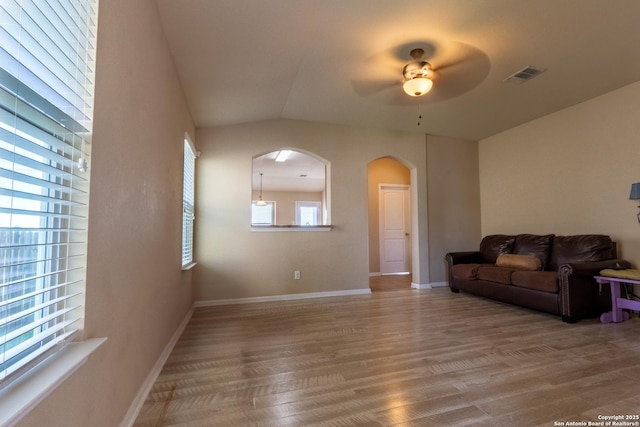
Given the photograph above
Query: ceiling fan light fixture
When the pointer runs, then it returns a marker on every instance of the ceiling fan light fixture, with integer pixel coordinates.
(417, 86)
(417, 75)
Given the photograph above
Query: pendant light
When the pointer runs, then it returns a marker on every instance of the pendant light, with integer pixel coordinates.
(260, 202)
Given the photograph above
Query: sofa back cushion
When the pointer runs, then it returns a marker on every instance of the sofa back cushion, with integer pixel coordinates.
(534, 245)
(493, 245)
(581, 248)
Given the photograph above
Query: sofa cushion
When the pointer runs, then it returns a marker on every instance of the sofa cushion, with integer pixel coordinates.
(465, 271)
(493, 245)
(519, 262)
(533, 244)
(581, 248)
(491, 273)
(545, 281)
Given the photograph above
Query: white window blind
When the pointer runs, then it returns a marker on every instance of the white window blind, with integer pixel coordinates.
(47, 51)
(263, 214)
(188, 202)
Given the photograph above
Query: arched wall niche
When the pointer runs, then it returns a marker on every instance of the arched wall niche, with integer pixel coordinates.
(290, 190)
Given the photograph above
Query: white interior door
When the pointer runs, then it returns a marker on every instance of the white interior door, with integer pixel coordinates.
(395, 226)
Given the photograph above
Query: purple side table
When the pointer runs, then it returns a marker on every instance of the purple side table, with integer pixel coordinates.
(617, 304)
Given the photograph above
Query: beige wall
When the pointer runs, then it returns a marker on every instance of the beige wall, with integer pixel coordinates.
(454, 200)
(381, 171)
(567, 173)
(136, 293)
(235, 262)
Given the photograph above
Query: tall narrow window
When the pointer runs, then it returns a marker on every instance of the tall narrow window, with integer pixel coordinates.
(46, 108)
(188, 203)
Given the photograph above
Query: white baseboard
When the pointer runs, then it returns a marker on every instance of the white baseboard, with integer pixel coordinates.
(439, 284)
(136, 406)
(288, 297)
(429, 285)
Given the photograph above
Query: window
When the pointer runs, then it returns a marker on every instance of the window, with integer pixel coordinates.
(188, 203)
(263, 214)
(46, 103)
(308, 213)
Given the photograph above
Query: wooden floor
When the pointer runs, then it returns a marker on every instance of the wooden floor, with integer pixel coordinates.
(403, 358)
(390, 282)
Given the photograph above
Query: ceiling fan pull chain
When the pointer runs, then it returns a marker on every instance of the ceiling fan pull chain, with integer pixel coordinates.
(419, 115)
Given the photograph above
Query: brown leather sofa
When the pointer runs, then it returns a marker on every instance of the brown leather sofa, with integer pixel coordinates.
(549, 273)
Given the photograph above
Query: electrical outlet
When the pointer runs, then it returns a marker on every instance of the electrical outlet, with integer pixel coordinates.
(296, 274)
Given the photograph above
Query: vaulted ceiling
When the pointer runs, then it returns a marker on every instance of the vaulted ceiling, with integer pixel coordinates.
(340, 61)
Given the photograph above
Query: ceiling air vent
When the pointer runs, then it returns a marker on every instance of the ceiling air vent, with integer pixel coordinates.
(527, 73)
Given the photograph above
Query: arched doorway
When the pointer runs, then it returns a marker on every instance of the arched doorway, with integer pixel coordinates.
(389, 183)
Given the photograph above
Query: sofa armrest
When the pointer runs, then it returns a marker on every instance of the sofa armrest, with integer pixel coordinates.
(580, 295)
(470, 257)
(453, 258)
(592, 268)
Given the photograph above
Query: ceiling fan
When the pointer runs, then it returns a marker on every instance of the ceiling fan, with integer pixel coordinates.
(418, 75)
(420, 72)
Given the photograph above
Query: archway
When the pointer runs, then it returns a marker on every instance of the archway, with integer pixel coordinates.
(389, 198)
(290, 187)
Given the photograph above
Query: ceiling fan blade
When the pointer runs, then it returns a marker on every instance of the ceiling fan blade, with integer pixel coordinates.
(442, 67)
(460, 54)
(368, 88)
(460, 70)
(374, 76)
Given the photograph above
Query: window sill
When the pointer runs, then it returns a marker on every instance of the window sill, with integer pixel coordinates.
(291, 227)
(189, 266)
(24, 394)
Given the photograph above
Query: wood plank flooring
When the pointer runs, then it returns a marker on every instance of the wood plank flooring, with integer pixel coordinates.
(390, 282)
(403, 358)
